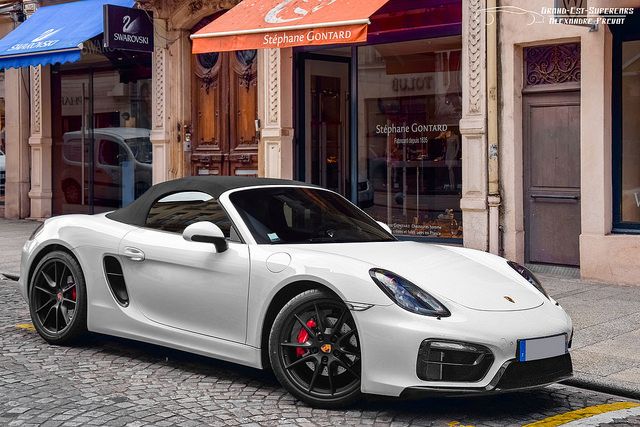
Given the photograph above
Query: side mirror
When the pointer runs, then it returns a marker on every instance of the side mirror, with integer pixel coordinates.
(385, 226)
(206, 232)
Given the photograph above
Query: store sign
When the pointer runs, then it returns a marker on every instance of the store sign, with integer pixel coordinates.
(128, 29)
(44, 40)
(412, 84)
(294, 10)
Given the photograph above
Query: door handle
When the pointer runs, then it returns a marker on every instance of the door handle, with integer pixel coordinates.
(554, 196)
(133, 254)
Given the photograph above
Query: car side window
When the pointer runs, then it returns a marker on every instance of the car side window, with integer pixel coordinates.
(109, 153)
(72, 150)
(175, 212)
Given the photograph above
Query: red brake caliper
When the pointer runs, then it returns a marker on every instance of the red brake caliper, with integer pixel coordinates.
(73, 294)
(303, 336)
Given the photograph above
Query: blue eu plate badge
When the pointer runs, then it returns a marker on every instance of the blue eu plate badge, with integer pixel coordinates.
(542, 348)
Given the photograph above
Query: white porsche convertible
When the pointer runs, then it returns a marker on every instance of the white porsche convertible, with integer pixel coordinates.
(290, 277)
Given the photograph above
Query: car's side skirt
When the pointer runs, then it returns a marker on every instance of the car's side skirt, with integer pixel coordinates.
(152, 333)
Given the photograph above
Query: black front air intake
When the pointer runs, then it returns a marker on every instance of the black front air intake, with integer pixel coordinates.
(115, 279)
(536, 372)
(450, 361)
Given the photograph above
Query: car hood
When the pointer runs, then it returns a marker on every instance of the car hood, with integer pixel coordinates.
(474, 279)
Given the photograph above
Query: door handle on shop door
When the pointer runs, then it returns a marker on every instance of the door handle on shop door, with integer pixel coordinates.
(133, 254)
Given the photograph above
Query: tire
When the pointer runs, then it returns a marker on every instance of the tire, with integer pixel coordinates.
(58, 298)
(72, 192)
(317, 361)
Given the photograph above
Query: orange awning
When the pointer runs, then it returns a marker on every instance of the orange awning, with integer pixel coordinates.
(258, 24)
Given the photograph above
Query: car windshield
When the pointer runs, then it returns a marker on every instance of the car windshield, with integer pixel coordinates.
(141, 149)
(284, 215)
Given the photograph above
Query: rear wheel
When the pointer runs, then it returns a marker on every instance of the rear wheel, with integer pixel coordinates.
(315, 352)
(57, 298)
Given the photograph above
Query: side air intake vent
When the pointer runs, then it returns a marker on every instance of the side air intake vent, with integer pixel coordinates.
(115, 278)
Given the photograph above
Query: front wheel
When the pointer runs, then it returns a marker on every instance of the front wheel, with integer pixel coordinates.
(57, 298)
(315, 352)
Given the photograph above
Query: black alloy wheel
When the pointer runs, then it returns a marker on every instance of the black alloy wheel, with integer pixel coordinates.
(315, 351)
(57, 298)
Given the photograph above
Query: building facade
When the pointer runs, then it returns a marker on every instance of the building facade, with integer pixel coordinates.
(451, 124)
(568, 140)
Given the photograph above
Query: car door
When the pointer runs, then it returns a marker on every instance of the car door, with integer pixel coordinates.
(187, 285)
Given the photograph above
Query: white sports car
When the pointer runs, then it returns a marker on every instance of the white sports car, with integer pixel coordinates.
(285, 276)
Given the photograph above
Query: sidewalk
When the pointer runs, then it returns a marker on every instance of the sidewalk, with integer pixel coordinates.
(13, 234)
(606, 343)
(606, 318)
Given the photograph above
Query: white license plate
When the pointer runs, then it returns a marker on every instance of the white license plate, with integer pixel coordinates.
(542, 348)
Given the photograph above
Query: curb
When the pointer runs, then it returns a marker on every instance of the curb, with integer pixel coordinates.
(588, 383)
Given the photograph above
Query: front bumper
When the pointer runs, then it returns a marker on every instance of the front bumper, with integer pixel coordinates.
(390, 339)
(511, 376)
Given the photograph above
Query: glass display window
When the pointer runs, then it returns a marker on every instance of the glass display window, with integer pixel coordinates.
(409, 143)
(101, 125)
(625, 126)
(630, 144)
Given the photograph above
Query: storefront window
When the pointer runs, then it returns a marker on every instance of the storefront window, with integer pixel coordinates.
(625, 126)
(630, 149)
(409, 143)
(102, 151)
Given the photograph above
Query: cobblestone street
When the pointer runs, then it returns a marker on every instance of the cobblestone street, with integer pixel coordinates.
(110, 381)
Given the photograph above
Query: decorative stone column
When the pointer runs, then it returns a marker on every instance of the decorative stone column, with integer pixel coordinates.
(178, 101)
(160, 132)
(40, 142)
(17, 143)
(275, 98)
(473, 126)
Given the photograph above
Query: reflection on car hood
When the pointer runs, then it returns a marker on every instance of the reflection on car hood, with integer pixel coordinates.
(474, 279)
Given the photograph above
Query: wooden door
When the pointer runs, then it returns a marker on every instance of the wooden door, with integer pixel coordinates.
(225, 110)
(552, 177)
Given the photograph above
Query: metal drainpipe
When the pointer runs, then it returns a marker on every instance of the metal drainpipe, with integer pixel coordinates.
(493, 199)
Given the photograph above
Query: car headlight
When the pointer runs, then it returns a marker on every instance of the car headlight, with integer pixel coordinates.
(529, 276)
(407, 295)
(36, 231)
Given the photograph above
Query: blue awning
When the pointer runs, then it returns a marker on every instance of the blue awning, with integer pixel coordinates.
(54, 34)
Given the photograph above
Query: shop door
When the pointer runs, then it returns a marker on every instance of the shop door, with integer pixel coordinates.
(225, 110)
(327, 124)
(552, 177)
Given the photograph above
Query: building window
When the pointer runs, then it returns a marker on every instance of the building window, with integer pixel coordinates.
(552, 64)
(626, 128)
(409, 144)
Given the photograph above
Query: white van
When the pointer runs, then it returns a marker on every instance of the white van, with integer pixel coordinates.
(122, 159)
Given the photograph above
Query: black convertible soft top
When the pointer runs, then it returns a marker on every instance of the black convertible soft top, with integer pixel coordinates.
(136, 213)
